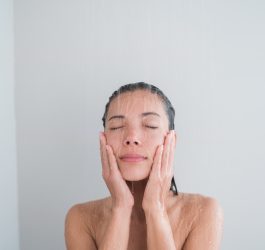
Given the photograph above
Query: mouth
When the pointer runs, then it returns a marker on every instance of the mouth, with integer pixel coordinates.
(133, 158)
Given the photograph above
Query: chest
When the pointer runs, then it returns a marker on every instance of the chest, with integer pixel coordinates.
(138, 234)
(137, 237)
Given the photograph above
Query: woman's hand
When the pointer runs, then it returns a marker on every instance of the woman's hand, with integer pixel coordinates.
(159, 181)
(120, 192)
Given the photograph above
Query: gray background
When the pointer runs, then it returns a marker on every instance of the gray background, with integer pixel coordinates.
(9, 236)
(66, 60)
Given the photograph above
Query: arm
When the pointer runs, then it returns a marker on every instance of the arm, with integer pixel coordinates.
(116, 236)
(207, 231)
(159, 232)
(78, 236)
(117, 233)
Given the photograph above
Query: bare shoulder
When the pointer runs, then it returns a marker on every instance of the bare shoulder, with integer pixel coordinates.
(199, 202)
(205, 217)
(201, 207)
(80, 223)
(89, 210)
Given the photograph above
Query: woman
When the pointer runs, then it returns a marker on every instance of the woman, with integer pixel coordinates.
(144, 211)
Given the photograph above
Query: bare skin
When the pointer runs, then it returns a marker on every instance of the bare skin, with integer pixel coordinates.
(88, 222)
(142, 213)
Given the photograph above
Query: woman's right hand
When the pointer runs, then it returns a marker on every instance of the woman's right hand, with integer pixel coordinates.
(120, 192)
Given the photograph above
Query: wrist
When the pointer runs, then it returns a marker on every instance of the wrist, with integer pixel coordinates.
(158, 210)
(118, 209)
(156, 207)
(122, 203)
(156, 216)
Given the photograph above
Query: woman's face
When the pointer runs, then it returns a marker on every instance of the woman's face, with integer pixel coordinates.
(135, 125)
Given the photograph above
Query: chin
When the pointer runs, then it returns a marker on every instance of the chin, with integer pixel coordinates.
(135, 173)
(134, 178)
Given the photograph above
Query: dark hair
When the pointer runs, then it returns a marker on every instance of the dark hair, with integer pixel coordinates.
(170, 111)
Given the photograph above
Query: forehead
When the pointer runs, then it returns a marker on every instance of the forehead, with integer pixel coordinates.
(135, 103)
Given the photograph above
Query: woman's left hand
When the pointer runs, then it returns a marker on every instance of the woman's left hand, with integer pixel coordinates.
(159, 181)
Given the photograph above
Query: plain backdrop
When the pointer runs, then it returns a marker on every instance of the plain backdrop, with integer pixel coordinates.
(207, 56)
(9, 235)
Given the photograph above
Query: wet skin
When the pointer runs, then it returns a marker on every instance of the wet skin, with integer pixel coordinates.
(137, 152)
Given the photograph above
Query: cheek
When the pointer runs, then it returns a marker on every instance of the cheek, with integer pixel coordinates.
(154, 142)
(158, 139)
(114, 141)
(111, 140)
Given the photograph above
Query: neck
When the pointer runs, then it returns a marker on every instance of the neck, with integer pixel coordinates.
(137, 189)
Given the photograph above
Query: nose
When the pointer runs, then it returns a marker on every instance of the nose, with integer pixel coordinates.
(131, 142)
(131, 139)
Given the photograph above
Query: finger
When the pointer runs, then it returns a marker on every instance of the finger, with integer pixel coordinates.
(103, 154)
(171, 155)
(165, 157)
(157, 161)
(111, 158)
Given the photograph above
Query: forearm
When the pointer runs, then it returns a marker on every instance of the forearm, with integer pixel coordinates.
(159, 232)
(117, 233)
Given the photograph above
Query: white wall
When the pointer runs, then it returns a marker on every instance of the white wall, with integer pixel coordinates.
(9, 235)
(207, 56)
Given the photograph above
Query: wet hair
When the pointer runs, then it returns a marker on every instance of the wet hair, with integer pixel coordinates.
(170, 111)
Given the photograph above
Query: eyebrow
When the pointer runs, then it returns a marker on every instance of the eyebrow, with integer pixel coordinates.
(150, 113)
(116, 117)
(143, 115)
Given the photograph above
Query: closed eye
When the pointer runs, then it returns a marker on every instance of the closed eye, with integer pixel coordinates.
(114, 128)
(152, 127)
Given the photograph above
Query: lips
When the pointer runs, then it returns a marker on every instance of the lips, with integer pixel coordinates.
(133, 158)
